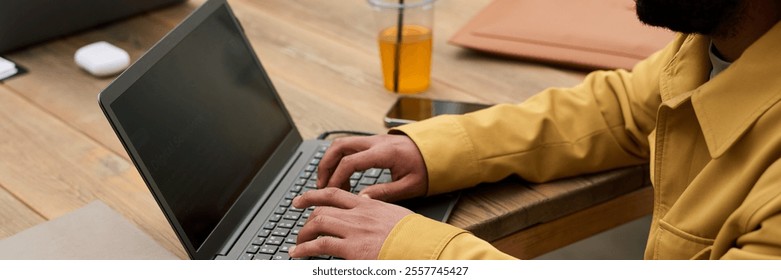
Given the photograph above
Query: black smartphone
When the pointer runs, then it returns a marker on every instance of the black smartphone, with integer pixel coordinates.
(412, 109)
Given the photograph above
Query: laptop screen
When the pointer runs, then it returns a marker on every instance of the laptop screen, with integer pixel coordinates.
(203, 120)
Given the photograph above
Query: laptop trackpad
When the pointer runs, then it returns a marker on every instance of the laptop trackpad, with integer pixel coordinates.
(436, 207)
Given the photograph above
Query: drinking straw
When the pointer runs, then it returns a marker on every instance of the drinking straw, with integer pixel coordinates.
(397, 58)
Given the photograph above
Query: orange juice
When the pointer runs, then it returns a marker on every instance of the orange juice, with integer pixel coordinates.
(414, 73)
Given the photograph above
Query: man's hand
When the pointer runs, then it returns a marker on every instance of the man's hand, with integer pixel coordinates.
(344, 225)
(395, 152)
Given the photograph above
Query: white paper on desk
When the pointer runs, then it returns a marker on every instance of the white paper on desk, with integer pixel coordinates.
(7, 68)
(93, 232)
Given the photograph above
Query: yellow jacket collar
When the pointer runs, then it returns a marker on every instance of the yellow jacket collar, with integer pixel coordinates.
(727, 105)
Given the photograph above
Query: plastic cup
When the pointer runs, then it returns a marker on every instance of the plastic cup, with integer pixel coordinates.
(405, 55)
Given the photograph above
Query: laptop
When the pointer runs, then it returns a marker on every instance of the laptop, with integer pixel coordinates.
(25, 22)
(214, 143)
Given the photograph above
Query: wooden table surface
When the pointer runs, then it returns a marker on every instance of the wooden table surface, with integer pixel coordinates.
(57, 152)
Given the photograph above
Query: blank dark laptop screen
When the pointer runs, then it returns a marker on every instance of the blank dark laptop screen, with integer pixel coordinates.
(203, 120)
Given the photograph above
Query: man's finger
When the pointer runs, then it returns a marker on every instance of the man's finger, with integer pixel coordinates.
(371, 158)
(325, 224)
(331, 246)
(338, 149)
(326, 197)
(390, 192)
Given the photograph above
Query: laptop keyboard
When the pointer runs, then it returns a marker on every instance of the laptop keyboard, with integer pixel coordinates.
(280, 230)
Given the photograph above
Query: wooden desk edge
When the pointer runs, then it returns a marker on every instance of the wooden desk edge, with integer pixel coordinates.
(542, 238)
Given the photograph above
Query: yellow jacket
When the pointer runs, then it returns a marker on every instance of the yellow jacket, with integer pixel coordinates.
(713, 146)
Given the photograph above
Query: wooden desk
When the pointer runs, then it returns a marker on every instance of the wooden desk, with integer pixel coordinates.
(58, 152)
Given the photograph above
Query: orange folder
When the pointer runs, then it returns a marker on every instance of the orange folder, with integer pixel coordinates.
(590, 34)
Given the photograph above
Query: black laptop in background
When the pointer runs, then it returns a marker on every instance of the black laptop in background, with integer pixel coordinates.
(211, 138)
(26, 22)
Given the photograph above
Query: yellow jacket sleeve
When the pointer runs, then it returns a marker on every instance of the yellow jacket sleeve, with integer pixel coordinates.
(419, 238)
(760, 244)
(759, 232)
(600, 124)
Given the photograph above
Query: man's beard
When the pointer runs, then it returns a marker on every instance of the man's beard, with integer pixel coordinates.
(707, 17)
